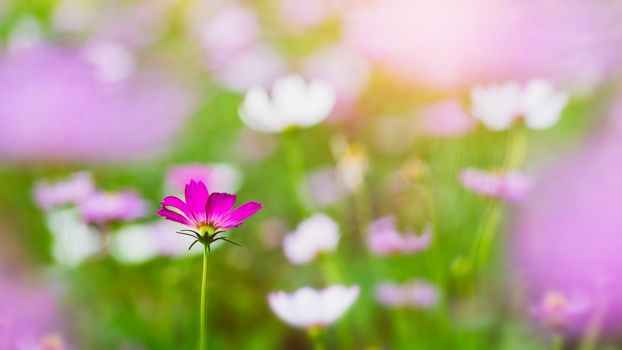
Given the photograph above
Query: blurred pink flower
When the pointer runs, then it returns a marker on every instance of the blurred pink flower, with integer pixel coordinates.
(29, 317)
(512, 186)
(313, 236)
(303, 14)
(71, 191)
(59, 108)
(451, 44)
(102, 207)
(204, 211)
(416, 294)
(384, 239)
(445, 119)
(344, 69)
(567, 236)
(325, 186)
(217, 177)
(556, 309)
(260, 65)
(309, 308)
(231, 31)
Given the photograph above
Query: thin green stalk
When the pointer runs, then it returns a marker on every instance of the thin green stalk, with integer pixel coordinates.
(296, 168)
(203, 339)
(515, 156)
(316, 336)
(557, 341)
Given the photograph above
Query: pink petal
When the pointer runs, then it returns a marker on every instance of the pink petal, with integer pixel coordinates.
(172, 201)
(173, 216)
(218, 207)
(235, 218)
(196, 199)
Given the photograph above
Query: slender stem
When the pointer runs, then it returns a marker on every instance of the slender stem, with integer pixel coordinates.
(557, 341)
(316, 336)
(203, 339)
(296, 168)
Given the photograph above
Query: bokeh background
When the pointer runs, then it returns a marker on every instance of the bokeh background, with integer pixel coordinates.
(135, 98)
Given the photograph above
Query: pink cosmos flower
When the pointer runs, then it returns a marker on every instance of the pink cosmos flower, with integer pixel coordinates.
(512, 187)
(384, 239)
(309, 308)
(69, 192)
(102, 207)
(445, 119)
(567, 236)
(208, 213)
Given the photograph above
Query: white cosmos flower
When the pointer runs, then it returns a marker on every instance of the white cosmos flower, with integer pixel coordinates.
(307, 307)
(313, 236)
(293, 103)
(499, 106)
(73, 240)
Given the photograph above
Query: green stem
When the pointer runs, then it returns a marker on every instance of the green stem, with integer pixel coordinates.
(316, 336)
(557, 341)
(203, 339)
(514, 158)
(296, 167)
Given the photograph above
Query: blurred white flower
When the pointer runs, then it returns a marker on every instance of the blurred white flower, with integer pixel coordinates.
(71, 191)
(293, 103)
(309, 308)
(139, 243)
(315, 235)
(537, 103)
(25, 34)
(134, 244)
(73, 240)
(73, 15)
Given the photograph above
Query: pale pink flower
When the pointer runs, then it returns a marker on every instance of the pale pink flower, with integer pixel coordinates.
(304, 14)
(512, 186)
(30, 317)
(59, 109)
(259, 65)
(313, 236)
(415, 294)
(103, 207)
(325, 186)
(309, 308)
(451, 44)
(445, 119)
(71, 191)
(557, 309)
(217, 177)
(384, 239)
(344, 69)
(231, 31)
